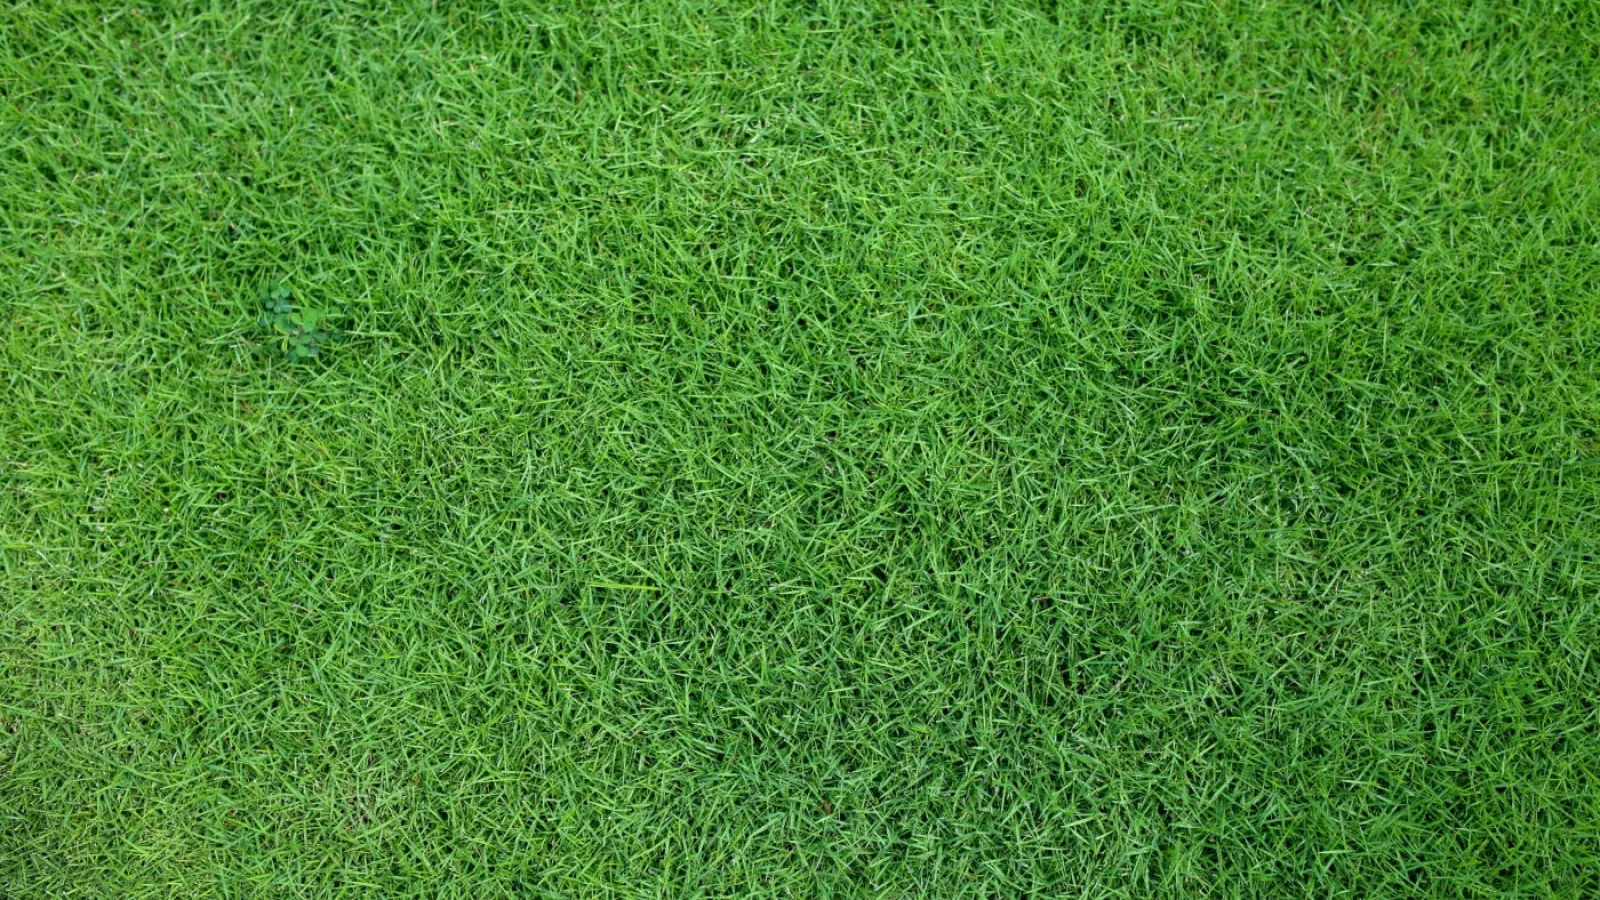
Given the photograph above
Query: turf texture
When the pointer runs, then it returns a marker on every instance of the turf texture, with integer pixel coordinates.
(960, 449)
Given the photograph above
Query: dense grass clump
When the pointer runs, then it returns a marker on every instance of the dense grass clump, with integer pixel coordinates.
(961, 449)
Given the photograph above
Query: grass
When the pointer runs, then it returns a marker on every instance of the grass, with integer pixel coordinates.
(969, 449)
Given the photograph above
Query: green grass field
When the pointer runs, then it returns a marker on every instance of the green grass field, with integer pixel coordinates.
(971, 449)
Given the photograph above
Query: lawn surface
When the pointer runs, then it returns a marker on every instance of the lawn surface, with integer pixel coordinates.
(814, 449)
